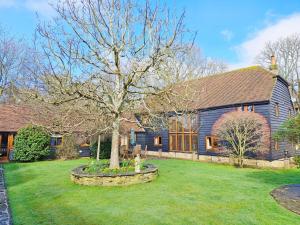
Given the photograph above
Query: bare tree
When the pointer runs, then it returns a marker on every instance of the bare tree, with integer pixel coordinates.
(107, 53)
(190, 64)
(11, 59)
(287, 52)
(242, 132)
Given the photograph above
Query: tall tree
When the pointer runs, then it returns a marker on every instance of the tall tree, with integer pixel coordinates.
(191, 64)
(11, 61)
(107, 53)
(287, 53)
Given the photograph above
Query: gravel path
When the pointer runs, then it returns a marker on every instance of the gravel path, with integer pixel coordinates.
(5, 218)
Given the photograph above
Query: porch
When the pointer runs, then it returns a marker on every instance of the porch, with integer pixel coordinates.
(6, 145)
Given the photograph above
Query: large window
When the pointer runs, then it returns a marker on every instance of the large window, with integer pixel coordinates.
(183, 133)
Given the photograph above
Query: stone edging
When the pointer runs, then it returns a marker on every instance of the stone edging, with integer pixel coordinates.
(255, 163)
(78, 176)
(5, 217)
(288, 196)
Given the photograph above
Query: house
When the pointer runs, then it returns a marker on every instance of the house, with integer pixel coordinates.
(253, 89)
(13, 117)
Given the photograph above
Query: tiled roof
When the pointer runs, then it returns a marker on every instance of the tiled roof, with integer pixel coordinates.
(251, 84)
(14, 117)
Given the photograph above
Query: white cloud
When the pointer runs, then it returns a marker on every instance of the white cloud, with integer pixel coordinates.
(249, 49)
(227, 34)
(8, 3)
(42, 7)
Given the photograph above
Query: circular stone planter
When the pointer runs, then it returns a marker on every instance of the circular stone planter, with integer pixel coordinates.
(79, 176)
(288, 196)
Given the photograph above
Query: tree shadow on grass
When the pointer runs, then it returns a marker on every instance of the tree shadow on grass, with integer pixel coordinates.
(276, 177)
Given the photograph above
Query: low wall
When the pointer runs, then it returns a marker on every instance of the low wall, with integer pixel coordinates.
(78, 176)
(276, 164)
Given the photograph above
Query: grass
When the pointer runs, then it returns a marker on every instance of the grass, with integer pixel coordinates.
(185, 192)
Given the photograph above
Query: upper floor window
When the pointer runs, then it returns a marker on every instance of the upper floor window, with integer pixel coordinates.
(276, 109)
(157, 141)
(246, 108)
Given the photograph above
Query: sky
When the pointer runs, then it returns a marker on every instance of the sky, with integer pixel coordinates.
(234, 31)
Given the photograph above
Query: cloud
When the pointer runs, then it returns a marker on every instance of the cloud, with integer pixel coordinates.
(227, 34)
(249, 49)
(8, 3)
(42, 7)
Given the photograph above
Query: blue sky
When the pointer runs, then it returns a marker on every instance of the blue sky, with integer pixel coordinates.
(231, 30)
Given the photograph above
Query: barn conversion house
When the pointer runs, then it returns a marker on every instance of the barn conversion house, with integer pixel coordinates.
(252, 89)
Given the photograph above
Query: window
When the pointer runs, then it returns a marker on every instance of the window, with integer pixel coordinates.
(250, 108)
(56, 141)
(157, 141)
(183, 133)
(276, 145)
(246, 108)
(276, 110)
(290, 112)
(211, 143)
(124, 140)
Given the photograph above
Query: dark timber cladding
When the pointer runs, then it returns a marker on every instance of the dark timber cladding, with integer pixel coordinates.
(252, 88)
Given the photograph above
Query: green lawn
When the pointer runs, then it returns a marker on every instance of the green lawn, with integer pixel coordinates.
(185, 192)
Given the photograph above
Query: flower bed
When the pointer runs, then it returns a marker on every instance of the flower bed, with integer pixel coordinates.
(81, 176)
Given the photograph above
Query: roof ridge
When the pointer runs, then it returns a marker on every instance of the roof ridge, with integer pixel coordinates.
(230, 71)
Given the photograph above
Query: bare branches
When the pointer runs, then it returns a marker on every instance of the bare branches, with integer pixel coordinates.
(240, 133)
(11, 62)
(287, 52)
(107, 53)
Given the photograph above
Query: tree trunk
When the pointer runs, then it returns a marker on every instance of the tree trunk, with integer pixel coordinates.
(241, 162)
(98, 148)
(114, 156)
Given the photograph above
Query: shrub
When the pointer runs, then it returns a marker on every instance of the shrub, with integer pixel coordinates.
(242, 133)
(97, 167)
(105, 149)
(32, 143)
(68, 148)
(102, 167)
(297, 160)
(289, 130)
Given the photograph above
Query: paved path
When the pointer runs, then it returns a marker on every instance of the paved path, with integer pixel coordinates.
(288, 196)
(5, 218)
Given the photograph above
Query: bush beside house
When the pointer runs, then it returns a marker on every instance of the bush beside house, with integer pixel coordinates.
(31, 144)
(68, 148)
(242, 134)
